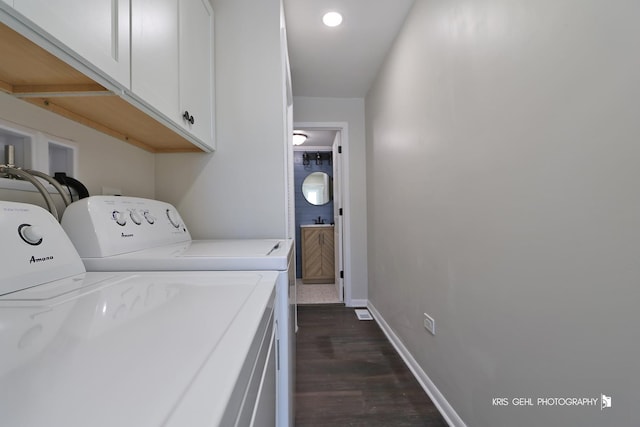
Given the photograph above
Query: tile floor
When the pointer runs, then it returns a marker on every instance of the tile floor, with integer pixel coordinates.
(316, 294)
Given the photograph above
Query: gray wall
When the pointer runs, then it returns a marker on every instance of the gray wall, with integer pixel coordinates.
(239, 190)
(503, 169)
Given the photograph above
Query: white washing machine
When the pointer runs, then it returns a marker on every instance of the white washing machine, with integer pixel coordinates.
(137, 349)
(127, 233)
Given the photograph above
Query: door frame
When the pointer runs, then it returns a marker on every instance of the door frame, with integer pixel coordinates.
(343, 182)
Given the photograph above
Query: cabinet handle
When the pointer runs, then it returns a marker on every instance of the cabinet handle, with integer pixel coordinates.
(188, 117)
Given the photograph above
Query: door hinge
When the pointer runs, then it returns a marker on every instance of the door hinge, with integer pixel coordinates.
(339, 149)
(340, 211)
(342, 274)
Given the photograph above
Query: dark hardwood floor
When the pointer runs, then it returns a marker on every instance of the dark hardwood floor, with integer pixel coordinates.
(349, 374)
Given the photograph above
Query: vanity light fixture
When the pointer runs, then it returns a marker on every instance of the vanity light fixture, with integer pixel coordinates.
(332, 19)
(299, 137)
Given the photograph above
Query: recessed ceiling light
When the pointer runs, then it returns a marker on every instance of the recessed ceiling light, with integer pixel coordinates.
(332, 19)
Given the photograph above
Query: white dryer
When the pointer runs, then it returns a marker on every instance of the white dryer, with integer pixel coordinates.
(114, 233)
(137, 349)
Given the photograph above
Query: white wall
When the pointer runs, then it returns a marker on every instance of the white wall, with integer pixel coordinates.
(102, 160)
(503, 170)
(351, 111)
(238, 191)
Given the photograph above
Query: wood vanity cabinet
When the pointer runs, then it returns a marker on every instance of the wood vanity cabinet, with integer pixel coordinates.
(318, 265)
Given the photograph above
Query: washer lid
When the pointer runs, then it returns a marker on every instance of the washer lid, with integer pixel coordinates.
(230, 255)
(125, 350)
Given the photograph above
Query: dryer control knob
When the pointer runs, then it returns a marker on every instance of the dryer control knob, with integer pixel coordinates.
(150, 218)
(119, 217)
(173, 218)
(31, 234)
(135, 217)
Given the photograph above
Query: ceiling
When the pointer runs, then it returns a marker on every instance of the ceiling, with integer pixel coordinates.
(318, 138)
(340, 62)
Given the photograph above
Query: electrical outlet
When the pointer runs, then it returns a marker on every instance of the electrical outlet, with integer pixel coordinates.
(429, 324)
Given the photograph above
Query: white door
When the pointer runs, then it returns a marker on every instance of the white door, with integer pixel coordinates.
(97, 30)
(337, 214)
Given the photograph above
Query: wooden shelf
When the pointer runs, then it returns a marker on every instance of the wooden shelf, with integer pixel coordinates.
(31, 73)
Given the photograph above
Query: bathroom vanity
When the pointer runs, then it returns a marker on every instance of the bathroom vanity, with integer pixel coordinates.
(318, 257)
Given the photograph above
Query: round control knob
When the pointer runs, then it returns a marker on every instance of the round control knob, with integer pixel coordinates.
(135, 217)
(31, 234)
(173, 218)
(119, 218)
(150, 218)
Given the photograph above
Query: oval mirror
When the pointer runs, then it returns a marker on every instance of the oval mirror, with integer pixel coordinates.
(316, 188)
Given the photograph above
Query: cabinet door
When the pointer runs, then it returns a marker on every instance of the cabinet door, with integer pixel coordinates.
(328, 256)
(97, 30)
(154, 54)
(196, 69)
(311, 254)
(317, 255)
(264, 413)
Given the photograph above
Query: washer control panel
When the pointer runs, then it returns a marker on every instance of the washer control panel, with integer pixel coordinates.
(34, 248)
(102, 226)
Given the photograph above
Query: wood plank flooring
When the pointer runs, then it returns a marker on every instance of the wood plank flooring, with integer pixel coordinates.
(349, 374)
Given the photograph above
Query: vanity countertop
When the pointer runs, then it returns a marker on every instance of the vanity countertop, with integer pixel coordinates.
(316, 225)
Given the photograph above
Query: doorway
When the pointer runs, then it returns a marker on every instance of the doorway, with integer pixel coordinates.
(321, 156)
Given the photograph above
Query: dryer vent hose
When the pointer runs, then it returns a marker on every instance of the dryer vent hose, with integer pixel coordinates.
(67, 181)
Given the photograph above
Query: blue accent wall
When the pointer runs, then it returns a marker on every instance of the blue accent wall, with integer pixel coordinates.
(306, 213)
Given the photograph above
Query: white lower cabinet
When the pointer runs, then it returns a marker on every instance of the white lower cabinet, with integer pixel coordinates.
(97, 30)
(265, 409)
(256, 389)
(259, 408)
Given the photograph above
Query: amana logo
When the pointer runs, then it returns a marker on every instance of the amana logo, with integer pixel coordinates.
(34, 259)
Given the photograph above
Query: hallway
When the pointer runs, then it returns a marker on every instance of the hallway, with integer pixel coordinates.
(349, 374)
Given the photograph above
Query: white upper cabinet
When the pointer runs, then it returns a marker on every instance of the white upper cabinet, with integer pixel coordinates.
(97, 30)
(154, 55)
(172, 61)
(196, 69)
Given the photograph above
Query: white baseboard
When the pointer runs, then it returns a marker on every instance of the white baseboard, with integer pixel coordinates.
(357, 303)
(447, 411)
